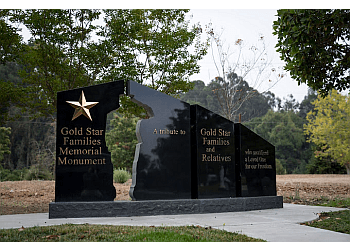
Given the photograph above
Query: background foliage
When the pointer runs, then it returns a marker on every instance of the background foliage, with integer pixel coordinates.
(314, 45)
(4, 142)
(159, 48)
(283, 127)
(121, 141)
(153, 47)
(206, 95)
(328, 127)
(284, 130)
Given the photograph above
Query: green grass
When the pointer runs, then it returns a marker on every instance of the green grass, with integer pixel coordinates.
(87, 232)
(320, 201)
(334, 221)
(336, 202)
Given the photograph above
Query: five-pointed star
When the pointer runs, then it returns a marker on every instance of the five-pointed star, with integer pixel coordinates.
(82, 107)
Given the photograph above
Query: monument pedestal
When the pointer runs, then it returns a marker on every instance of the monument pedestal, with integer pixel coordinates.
(161, 207)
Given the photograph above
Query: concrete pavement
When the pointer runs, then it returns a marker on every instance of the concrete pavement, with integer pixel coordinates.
(275, 225)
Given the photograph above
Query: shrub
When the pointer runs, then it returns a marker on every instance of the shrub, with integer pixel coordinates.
(121, 175)
(12, 175)
(4, 173)
(279, 168)
(37, 173)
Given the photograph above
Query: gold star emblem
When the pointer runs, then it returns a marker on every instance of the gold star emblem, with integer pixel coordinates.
(82, 107)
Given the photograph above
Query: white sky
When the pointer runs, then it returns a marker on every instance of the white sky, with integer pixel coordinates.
(239, 20)
(247, 25)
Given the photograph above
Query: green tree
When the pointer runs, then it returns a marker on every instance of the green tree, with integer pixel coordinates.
(11, 46)
(315, 46)
(290, 104)
(148, 46)
(9, 72)
(10, 94)
(284, 130)
(11, 89)
(280, 170)
(4, 143)
(202, 95)
(235, 97)
(207, 96)
(152, 47)
(324, 165)
(155, 48)
(306, 104)
(121, 141)
(32, 141)
(60, 56)
(328, 127)
(10, 40)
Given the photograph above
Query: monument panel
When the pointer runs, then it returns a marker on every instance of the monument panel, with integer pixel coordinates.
(187, 160)
(162, 163)
(213, 155)
(84, 171)
(256, 159)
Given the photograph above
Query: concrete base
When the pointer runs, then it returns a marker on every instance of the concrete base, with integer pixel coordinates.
(161, 207)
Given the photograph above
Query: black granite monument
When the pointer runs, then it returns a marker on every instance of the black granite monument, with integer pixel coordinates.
(213, 155)
(188, 160)
(84, 171)
(162, 163)
(255, 158)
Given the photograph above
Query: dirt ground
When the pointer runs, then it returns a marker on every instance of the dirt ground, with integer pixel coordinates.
(311, 189)
(18, 197)
(22, 197)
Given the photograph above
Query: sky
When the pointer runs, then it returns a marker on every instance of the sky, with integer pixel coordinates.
(248, 25)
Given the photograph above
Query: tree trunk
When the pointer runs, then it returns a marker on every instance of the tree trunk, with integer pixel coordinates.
(347, 165)
(28, 145)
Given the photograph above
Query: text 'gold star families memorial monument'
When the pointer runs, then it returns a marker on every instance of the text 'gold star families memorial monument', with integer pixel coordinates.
(84, 171)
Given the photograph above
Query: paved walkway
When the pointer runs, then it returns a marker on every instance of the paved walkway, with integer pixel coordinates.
(276, 225)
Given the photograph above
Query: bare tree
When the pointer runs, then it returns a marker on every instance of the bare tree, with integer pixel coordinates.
(249, 64)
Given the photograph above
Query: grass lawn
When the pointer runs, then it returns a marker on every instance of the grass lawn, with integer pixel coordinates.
(334, 221)
(336, 202)
(98, 233)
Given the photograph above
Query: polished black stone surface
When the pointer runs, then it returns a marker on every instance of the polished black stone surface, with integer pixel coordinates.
(256, 159)
(213, 155)
(84, 171)
(162, 163)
